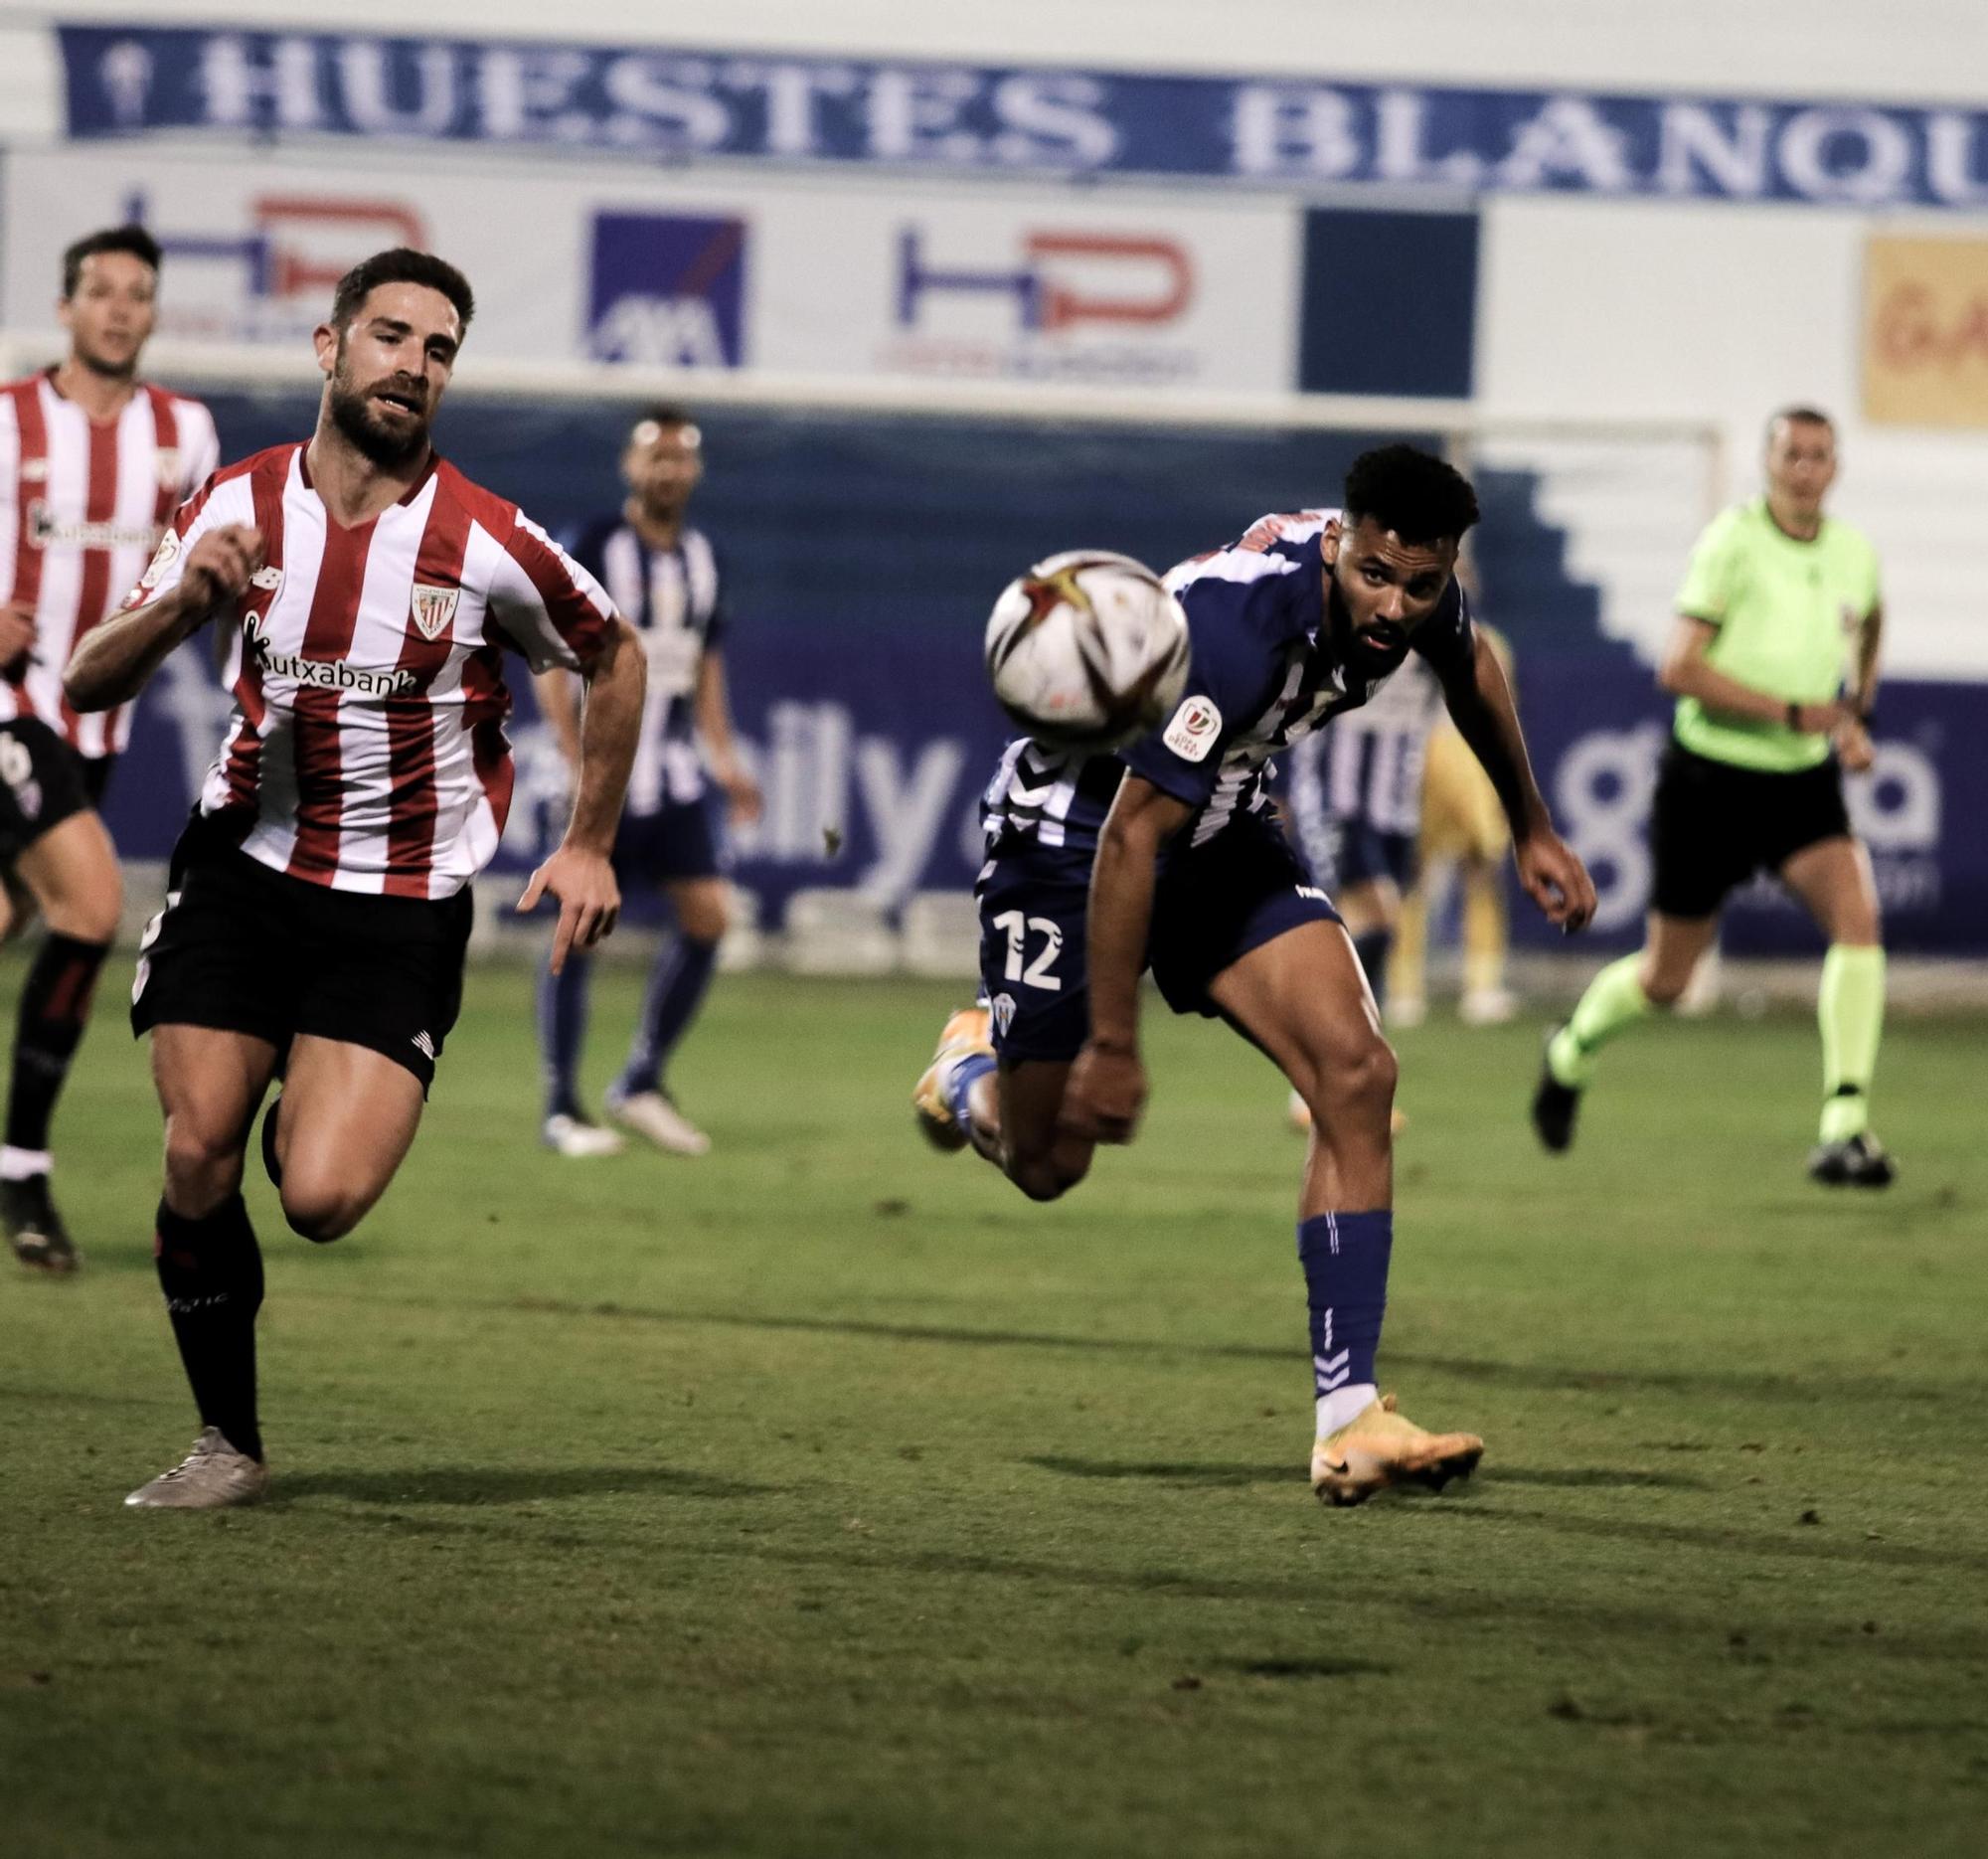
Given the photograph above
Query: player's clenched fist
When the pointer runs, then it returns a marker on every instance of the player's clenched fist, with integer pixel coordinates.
(219, 565)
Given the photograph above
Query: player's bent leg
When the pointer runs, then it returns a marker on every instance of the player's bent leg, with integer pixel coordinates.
(209, 1083)
(1304, 998)
(1035, 1152)
(1832, 879)
(349, 1116)
(70, 874)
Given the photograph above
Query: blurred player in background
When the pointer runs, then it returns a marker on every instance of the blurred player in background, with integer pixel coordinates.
(1463, 834)
(318, 908)
(1774, 665)
(92, 464)
(664, 577)
(1168, 857)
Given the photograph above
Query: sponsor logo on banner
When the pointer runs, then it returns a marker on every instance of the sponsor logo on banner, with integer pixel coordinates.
(266, 272)
(433, 609)
(668, 289)
(1055, 302)
(1926, 331)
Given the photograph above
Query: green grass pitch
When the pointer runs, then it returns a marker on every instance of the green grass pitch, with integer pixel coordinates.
(825, 1497)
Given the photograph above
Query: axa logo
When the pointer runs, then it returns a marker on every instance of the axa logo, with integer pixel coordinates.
(668, 289)
(1059, 282)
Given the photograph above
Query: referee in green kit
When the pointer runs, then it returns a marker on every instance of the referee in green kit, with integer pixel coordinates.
(1774, 665)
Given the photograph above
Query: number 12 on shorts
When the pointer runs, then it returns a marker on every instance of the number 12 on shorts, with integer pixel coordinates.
(1016, 928)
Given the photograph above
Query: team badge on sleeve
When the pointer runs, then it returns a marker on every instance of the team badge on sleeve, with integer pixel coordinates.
(435, 608)
(1192, 732)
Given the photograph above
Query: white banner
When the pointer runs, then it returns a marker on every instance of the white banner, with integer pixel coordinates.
(855, 278)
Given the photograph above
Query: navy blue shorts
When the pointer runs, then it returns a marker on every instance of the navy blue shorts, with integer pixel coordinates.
(1215, 902)
(1363, 853)
(1212, 905)
(1033, 912)
(678, 840)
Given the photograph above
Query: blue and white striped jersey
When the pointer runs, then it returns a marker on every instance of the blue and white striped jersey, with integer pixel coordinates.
(1367, 769)
(1271, 664)
(674, 598)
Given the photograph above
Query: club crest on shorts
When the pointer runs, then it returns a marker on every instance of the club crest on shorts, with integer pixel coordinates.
(1003, 1012)
(433, 609)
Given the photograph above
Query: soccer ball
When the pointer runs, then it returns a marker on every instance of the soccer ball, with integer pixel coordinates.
(1087, 651)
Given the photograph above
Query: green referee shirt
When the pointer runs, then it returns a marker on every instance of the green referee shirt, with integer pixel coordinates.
(1787, 614)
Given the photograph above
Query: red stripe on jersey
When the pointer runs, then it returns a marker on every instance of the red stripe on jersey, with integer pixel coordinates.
(487, 702)
(34, 430)
(414, 804)
(242, 770)
(574, 617)
(92, 601)
(165, 439)
(334, 613)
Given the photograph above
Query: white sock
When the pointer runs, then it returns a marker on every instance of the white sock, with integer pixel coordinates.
(23, 1164)
(1343, 1406)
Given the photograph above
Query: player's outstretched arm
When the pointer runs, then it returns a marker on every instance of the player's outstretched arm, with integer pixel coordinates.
(115, 660)
(579, 873)
(1107, 1084)
(1480, 704)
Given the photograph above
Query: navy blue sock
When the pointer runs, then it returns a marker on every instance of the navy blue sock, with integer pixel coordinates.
(1345, 1259)
(1372, 948)
(210, 1270)
(669, 1004)
(563, 1030)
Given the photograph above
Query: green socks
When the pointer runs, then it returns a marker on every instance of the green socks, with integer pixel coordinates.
(1614, 999)
(1851, 1011)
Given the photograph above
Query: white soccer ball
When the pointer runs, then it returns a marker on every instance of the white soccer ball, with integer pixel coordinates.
(1087, 651)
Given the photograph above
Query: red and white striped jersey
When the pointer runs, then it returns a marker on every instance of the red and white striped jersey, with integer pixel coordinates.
(367, 749)
(81, 506)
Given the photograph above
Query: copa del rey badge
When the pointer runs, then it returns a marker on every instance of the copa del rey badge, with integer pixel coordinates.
(1192, 732)
(435, 608)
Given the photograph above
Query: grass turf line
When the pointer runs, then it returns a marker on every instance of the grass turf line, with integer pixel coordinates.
(823, 1496)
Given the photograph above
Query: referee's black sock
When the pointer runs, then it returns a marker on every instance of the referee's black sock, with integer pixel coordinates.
(55, 1008)
(210, 1270)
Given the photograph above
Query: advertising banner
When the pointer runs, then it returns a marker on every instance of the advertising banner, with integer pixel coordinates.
(859, 280)
(1926, 331)
(648, 103)
(872, 784)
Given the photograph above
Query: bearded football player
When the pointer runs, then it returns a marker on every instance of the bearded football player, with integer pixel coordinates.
(318, 906)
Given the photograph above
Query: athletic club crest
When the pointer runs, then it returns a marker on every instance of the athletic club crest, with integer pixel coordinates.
(435, 608)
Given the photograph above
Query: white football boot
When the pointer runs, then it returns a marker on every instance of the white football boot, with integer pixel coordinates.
(575, 1136)
(213, 1476)
(650, 1114)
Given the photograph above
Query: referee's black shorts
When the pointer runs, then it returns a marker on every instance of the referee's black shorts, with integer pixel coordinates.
(245, 948)
(43, 782)
(1713, 825)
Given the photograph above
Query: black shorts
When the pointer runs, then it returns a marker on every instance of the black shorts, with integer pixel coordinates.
(677, 841)
(247, 950)
(42, 780)
(1713, 826)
